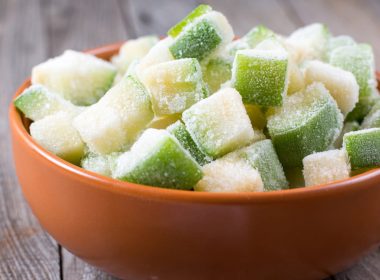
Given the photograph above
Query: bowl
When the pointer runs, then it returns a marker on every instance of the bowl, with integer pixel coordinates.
(140, 232)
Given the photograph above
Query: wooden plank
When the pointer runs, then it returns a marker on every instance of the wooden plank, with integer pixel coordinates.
(26, 251)
(367, 269)
(77, 25)
(75, 269)
(243, 15)
(82, 24)
(156, 17)
(359, 19)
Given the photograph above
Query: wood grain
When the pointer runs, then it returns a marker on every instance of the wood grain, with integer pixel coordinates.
(33, 30)
(156, 17)
(26, 251)
(243, 15)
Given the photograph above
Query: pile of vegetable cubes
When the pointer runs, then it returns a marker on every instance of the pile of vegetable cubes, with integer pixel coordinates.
(201, 111)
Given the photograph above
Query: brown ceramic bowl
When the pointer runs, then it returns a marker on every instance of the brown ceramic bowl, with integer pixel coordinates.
(141, 232)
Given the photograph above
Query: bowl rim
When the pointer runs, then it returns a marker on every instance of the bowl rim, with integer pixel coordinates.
(155, 193)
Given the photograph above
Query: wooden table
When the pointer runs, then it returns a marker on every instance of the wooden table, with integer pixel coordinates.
(33, 30)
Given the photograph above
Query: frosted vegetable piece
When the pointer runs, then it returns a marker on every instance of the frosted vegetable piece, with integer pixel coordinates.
(112, 124)
(216, 72)
(257, 116)
(175, 85)
(296, 81)
(325, 167)
(308, 122)
(219, 124)
(309, 42)
(179, 131)
(255, 36)
(363, 147)
(337, 42)
(37, 102)
(347, 127)
(295, 76)
(358, 60)
(158, 159)
(101, 164)
(57, 135)
(372, 120)
(206, 35)
(262, 156)
(341, 84)
(260, 76)
(190, 18)
(157, 54)
(132, 50)
(80, 78)
(164, 122)
(229, 175)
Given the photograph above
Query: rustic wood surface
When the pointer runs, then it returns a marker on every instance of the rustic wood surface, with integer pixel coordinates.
(33, 30)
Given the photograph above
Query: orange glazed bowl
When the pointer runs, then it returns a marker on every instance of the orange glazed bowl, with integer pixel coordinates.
(141, 232)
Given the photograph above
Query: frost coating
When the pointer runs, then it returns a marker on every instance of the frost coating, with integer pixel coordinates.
(178, 129)
(347, 127)
(158, 159)
(203, 37)
(80, 78)
(260, 76)
(57, 135)
(175, 85)
(309, 42)
(37, 102)
(337, 42)
(341, 84)
(219, 124)
(157, 54)
(372, 120)
(216, 72)
(308, 122)
(255, 36)
(326, 167)
(112, 124)
(229, 175)
(358, 60)
(99, 163)
(262, 156)
(363, 147)
(132, 50)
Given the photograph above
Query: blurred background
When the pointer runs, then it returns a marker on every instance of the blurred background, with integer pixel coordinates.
(33, 30)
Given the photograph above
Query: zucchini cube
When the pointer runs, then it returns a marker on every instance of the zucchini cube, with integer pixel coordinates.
(158, 159)
(80, 78)
(174, 85)
(308, 122)
(363, 147)
(133, 50)
(326, 167)
(203, 37)
(57, 135)
(219, 124)
(341, 84)
(309, 42)
(37, 102)
(358, 60)
(260, 76)
(179, 131)
(112, 124)
(229, 174)
(263, 157)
